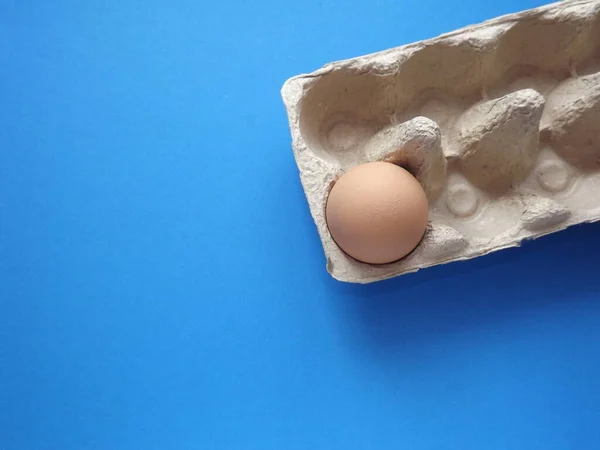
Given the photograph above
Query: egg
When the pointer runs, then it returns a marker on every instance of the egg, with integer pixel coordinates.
(377, 212)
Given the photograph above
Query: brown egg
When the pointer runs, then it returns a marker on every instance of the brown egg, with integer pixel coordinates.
(377, 212)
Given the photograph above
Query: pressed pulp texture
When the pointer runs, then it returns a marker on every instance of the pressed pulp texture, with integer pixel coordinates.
(498, 122)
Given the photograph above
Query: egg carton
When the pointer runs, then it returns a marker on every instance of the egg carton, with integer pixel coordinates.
(499, 122)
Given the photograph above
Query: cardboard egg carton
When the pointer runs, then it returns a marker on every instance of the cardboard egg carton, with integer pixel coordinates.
(499, 122)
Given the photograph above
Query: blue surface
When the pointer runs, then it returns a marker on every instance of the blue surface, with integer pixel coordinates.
(162, 285)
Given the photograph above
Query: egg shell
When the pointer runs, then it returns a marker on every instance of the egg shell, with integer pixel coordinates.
(377, 212)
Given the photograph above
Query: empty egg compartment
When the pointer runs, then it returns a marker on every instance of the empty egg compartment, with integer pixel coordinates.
(499, 122)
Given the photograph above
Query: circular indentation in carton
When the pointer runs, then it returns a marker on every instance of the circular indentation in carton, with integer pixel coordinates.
(553, 177)
(461, 200)
(435, 110)
(541, 83)
(343, 133)
(343, 136)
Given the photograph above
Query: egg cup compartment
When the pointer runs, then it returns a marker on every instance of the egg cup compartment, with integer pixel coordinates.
(499, 122)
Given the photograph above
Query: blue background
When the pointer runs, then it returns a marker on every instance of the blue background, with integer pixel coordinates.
(162, 285)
